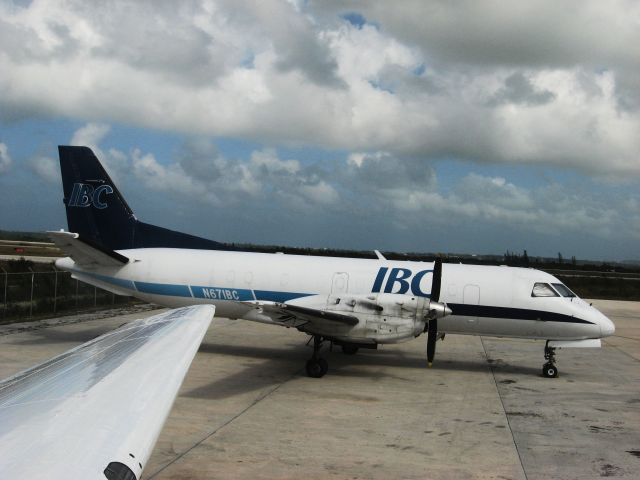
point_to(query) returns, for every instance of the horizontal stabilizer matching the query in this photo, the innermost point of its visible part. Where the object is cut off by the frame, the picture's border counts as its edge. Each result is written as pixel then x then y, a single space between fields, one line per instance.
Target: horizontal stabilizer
pixel 86 253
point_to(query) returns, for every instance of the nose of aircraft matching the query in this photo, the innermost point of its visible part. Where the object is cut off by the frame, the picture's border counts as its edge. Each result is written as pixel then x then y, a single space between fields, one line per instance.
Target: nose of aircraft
pixel 607 328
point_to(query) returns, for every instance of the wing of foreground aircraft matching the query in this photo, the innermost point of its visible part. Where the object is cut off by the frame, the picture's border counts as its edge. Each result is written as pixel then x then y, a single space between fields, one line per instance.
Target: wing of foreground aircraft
pixel 96 411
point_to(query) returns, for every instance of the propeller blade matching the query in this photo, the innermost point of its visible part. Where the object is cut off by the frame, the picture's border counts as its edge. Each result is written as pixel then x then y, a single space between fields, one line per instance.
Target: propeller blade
pixel 437 280
pixel 432 327
pixel 432 336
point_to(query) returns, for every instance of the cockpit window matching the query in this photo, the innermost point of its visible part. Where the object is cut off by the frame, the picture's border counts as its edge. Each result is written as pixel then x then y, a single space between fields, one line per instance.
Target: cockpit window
pixel 543 290
pixel 564 291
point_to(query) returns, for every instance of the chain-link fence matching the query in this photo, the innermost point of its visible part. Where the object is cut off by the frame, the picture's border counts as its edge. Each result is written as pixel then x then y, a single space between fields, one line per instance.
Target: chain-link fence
pixel 30 294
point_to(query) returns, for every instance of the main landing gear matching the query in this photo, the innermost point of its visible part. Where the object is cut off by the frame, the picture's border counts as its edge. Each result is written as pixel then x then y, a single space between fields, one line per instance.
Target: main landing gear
pixel 349 349
pixel 549 369
pixel 317 366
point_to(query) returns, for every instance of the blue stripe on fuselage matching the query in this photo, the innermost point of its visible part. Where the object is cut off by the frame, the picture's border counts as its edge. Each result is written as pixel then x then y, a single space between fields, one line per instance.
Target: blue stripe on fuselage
pixel 196 291
pixel 119 282
pixel 163 289
pixel 270 296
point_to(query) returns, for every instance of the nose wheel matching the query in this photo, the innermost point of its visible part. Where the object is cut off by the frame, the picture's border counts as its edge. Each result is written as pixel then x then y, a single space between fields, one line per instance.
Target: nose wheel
pixel 549 369
pixel 317 366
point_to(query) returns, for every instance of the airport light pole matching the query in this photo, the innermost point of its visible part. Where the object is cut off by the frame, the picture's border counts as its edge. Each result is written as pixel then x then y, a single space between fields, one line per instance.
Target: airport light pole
pixel 6 280
pixel 55 289
pixel 31 299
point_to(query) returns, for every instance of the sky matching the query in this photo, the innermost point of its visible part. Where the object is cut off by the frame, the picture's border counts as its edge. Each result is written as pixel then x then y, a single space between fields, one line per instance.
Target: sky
pixel 415 126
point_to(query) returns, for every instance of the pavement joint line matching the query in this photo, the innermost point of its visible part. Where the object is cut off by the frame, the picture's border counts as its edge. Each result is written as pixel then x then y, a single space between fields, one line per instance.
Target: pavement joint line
pixel 217 429
pixel 622 351
pixel 27 325
pixel 627 338
pixel 495 382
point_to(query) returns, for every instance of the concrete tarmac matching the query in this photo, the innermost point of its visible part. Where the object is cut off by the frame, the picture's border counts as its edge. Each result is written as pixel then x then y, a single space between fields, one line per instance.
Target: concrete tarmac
pixel 247 410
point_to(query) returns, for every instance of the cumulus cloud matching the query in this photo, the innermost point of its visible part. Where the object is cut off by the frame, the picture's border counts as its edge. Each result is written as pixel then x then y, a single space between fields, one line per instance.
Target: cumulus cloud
pixel 403 193
pixel 200 158
pixel 5 159
pixel 518 89
pixel 547 210
pixel 200 172
pixel 46 168
pixel 90 135
pixel 358 196
pixel 383 171
pixel 533 82
pixel 381 93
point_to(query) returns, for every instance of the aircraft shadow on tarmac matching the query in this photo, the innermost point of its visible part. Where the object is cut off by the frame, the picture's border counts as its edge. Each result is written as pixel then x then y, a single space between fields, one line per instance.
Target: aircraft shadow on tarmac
pixel 284 363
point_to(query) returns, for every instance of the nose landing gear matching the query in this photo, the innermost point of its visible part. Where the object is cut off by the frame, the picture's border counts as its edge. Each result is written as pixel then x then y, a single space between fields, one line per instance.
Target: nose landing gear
pixel 549 369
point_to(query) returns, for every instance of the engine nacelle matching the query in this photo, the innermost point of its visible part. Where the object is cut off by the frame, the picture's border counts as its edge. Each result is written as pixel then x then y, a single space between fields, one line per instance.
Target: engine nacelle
pixel 383 317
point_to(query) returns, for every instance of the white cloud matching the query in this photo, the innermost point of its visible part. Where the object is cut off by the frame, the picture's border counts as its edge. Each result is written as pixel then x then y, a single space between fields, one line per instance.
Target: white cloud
pixel 201 173
pixel 321 193
pixel 268 162
pixel 414 86
pixel 549 210
pixel 170 179
pixel 90 135
pixel 46 168
pixel 534 83
pixel 403 193
pixel 5 159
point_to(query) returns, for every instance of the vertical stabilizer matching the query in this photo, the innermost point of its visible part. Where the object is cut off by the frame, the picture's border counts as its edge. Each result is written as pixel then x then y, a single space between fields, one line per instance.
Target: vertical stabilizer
pixel 95 208
pixel 98 212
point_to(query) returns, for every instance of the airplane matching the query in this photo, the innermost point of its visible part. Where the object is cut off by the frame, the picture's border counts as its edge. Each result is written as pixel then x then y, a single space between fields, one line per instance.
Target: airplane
pixel 97 410
pixel 351 302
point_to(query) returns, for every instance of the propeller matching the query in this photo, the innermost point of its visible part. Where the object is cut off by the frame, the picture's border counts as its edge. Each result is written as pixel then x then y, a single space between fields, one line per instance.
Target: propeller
pixel 432 325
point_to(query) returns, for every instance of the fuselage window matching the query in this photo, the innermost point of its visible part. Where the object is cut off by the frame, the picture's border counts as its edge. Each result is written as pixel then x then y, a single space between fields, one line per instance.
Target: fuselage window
pixel 564 291
pixel 543 290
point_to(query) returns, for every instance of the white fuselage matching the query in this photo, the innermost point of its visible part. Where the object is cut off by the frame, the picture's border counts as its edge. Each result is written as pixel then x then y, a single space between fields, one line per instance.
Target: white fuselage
pixel 485 300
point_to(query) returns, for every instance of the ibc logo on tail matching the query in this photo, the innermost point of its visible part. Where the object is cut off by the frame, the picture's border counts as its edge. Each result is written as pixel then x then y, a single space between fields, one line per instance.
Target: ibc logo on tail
pixel 85 195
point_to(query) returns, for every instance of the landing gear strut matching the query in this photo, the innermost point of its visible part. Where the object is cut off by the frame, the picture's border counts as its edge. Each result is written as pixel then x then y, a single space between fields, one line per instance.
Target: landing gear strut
pixel 317 366
pixel 549 369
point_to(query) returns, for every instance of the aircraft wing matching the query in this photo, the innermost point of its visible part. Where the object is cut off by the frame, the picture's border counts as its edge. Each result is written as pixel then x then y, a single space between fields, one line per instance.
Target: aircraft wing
pixel 297 315
pixel 96 411
pixel 86 253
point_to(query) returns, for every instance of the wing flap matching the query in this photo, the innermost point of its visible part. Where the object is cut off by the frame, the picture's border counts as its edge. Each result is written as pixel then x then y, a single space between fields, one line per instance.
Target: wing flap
pixel 290 314
pixel 314 315
pixel 84 252
pixel 100 404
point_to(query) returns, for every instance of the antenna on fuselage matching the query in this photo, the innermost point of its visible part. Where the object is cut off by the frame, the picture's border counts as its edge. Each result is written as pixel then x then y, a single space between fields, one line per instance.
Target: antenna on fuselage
pixel 379 255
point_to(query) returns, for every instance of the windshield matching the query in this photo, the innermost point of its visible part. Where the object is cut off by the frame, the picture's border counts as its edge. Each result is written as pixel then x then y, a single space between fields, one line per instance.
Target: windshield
pixel 543 290
pixel 564 290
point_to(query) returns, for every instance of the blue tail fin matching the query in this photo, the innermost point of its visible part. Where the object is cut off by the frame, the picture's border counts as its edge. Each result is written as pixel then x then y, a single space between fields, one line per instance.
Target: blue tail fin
pixel 98 212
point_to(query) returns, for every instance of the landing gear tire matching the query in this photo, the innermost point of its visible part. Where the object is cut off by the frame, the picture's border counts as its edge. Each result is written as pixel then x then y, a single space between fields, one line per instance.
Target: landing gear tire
pixel 317 368
pixel 349 349
pixel 549 370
